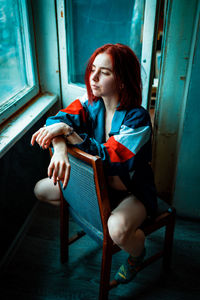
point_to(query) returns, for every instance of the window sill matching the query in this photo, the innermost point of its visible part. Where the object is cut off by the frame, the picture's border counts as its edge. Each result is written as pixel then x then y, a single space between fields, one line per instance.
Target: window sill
pixel 16 126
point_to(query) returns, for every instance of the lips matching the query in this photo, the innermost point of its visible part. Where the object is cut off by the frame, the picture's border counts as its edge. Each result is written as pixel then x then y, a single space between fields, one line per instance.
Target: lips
pixel 95 87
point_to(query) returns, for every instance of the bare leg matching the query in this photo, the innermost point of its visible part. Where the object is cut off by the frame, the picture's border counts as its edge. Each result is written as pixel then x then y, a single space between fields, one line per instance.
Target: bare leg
pixel 46 191
pixel 123 228
pixel 123 225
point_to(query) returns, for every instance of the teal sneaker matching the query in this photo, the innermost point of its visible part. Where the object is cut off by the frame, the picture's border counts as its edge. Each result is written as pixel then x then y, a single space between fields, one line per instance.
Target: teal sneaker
pixel 129 270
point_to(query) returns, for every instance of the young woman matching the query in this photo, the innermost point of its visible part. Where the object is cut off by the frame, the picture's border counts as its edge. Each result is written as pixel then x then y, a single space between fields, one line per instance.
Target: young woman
pixel 109 122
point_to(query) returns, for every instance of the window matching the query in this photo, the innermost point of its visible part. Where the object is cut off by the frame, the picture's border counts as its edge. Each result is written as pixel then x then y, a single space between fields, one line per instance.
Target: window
pixel 90 24
pixel 85 25
pixel 18 80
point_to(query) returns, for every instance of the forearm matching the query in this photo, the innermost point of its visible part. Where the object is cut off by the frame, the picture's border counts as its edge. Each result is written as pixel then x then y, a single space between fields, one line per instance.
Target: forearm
pixel 71 136
pixel 59 144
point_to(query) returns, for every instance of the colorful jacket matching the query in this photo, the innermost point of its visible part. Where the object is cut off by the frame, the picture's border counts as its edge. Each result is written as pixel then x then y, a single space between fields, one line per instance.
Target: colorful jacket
pixel 126 153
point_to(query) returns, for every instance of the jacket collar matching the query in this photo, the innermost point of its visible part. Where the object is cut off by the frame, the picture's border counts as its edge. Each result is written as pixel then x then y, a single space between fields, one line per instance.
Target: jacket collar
pixel 117 121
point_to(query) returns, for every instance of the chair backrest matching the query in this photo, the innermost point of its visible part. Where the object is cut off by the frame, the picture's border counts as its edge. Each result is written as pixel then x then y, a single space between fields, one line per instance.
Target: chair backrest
pixel 86 192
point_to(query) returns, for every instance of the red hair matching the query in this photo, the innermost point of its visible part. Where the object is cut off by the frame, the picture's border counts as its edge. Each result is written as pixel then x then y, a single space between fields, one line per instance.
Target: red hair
pixel 126 68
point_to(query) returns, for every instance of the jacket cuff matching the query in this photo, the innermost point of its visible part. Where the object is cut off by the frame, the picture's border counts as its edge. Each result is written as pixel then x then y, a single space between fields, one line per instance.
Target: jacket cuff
pixel 85 144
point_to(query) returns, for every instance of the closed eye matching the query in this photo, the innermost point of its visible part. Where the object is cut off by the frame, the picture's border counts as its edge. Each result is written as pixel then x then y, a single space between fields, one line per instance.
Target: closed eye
pixel 105 73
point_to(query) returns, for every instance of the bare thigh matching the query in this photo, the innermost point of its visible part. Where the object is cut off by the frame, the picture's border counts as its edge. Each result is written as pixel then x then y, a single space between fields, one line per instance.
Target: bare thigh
pixel 131 211
pixel 45 190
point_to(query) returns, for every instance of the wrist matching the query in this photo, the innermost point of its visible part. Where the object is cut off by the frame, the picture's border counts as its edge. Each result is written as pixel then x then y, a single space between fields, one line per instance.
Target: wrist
pixel 68 131
pixel 58 142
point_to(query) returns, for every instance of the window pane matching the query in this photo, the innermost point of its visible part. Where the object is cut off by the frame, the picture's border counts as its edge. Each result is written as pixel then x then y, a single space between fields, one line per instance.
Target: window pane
pixel 12 62
pixel 94 23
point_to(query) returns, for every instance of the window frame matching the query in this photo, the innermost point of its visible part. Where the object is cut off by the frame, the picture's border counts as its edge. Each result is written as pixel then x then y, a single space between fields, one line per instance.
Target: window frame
pixel 12 105
pixel 150 32
pixel 70 91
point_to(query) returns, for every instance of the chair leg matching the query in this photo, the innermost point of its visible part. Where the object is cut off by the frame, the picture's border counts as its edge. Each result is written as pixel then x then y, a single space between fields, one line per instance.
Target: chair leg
pixel 105 270
pixel 64 230
pixel 168 243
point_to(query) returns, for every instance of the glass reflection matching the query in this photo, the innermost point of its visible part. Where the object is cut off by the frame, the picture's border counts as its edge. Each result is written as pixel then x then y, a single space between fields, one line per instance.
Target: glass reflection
pixel 12 65
pixel 91 24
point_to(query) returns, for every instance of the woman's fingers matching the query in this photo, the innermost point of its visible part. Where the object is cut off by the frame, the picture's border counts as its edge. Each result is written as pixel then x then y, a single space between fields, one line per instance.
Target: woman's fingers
pixel 47 144
pixel 64 173
pixel 59 168
pixel 55 173
pixel 45 134
pixel 67 175
pixel 34 136
pixel 51 169
pixel 59 172
pixel 40 138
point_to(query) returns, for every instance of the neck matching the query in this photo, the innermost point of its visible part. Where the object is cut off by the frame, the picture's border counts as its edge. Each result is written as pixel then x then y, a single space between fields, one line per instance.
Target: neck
pixel 110 103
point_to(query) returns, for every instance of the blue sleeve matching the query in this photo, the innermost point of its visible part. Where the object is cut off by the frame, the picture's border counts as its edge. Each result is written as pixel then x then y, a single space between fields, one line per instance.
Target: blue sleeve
pixel 75 115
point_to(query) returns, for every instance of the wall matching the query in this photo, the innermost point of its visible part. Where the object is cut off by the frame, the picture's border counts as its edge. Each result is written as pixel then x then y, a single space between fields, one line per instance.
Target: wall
pixel 176 50
pixel 21 167
pixel 187 183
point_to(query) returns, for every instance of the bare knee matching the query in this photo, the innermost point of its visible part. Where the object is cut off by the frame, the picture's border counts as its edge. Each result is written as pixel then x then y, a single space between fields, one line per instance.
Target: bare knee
pixel 46 191
pixel 118 229
pixel 39 191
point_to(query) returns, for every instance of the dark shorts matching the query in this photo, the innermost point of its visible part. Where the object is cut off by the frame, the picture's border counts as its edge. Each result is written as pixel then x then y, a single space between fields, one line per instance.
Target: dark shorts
pixel 148 199
pixel 116 196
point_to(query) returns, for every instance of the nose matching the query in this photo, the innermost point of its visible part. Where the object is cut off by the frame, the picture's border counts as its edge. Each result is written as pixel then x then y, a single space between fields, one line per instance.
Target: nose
pixel 95 76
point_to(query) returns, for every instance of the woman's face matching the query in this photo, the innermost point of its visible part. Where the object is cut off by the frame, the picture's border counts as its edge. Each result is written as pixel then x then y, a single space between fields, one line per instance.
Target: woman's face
pixel 102 79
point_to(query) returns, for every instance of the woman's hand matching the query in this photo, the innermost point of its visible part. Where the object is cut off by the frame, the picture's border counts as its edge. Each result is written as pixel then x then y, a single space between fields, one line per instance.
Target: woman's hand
pixel 45 135
pixel 59 167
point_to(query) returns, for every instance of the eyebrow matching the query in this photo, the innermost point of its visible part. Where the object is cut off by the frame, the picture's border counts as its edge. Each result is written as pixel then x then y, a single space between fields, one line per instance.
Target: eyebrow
pixel 103 68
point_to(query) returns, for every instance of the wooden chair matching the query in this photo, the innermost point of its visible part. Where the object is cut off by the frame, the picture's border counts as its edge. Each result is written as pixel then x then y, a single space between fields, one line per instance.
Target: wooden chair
pixel 86 199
